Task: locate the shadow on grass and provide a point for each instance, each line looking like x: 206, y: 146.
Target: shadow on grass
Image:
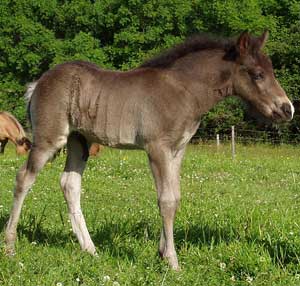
x: 282, y: 252
x: 37, y: 233
x: 204, y: 235
x: 125, y: 238
x: 121, y: 239
x: 109, y: 237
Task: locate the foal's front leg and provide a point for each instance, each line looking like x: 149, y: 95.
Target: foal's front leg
x: 165, y: 168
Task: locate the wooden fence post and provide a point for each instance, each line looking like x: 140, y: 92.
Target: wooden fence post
x: 218, y: 141
x: 232, y: 142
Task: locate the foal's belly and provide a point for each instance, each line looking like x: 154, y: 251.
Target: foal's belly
x: 119, y: 142
x: 122, y: 137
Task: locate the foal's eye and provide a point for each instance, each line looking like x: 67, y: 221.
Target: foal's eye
x: 257, y: 76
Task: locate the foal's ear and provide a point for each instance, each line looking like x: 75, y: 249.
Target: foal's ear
x: 243, y: 43
x: 263, y: 39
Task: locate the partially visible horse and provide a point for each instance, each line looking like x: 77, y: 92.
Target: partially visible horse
x: 156, y: 107
x: 12, y: 130
x: 95, y: 149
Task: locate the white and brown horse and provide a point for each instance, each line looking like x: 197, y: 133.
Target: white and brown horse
x: 156, y: 107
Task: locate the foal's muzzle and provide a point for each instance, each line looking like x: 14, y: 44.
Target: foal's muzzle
x: 284, y: 112
x: 288, y: 110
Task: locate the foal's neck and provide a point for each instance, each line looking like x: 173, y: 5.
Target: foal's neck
x: 206, y: 77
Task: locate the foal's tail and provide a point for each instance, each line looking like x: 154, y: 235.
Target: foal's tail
x: 28, y: 94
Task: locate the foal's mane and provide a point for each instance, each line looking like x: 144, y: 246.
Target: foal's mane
x: 190, y: 45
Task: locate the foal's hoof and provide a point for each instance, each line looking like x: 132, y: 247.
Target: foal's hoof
x: 10, y: 251
x: 95, y: 254
x: 91, y: 250
x: 172, y: 261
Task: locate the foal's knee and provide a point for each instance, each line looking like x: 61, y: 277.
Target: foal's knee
x: 167, y: 204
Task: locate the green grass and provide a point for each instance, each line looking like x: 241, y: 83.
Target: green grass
x: 238, y: 223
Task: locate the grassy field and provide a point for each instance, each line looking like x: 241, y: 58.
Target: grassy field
x: 238, y: 223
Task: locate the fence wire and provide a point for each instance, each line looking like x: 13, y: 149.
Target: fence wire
x: 248, y: 136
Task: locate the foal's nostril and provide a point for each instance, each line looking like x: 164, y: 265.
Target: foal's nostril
x: 287, y: 109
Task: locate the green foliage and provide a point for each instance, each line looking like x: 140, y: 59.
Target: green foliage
x: 82, y: 47
x: 9, y: 99
x: 117, y: 34
x: 227, y: 113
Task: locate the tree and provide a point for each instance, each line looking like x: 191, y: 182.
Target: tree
x: 117, y: 34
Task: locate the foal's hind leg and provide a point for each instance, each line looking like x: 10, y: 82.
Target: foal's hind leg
x: 25, y: 178
x: 77, y: 155
x: 165, y: 167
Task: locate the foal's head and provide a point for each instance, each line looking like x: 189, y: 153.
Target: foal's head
x: 254, y: 79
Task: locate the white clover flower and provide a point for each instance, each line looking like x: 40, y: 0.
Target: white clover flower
x: 249, y: 279
x: 106, y: 278
x: 222, y: 266
x: 77, y: 279
x: 262, y: 259
x: 21, y: 264
x: 116, y: 283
